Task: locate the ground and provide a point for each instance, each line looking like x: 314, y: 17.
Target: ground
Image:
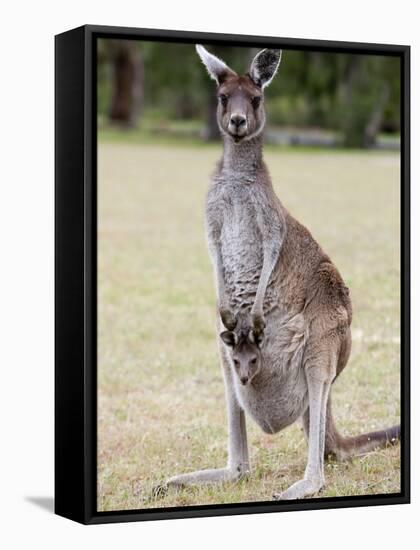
x: 160, y: 390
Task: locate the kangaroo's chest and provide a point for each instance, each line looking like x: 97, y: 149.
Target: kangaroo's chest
x: 235, y: 207
x: 241, y: 240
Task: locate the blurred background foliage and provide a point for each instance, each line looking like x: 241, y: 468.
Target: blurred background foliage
x: 330, y: 99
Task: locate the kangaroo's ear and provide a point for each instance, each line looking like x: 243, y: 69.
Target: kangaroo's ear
x: 264, y: 67
x: 228, y: 337
x: 218, y: 70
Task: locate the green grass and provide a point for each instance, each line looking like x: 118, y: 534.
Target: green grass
x: 161, y: 397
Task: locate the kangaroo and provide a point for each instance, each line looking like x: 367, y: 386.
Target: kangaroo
x: 284, y: 310
x: 245, y: 350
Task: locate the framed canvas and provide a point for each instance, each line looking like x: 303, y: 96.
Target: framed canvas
x: 232, y: 230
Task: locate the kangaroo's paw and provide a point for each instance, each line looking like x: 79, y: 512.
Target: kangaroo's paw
x: 301, y: 489
x: 258, y: 322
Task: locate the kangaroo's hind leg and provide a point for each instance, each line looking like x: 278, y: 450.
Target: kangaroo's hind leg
x: 320, y: 371
x: 238, y: 458
x: 330, y: 448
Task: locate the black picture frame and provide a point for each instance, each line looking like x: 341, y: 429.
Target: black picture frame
x: 76, y: 264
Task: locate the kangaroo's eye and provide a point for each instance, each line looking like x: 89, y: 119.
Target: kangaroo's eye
x: 236, y: 362
x: 254, y: 361
x: 256, y: 101
x: 223, y: 99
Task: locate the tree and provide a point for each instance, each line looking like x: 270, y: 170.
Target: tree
x: 356, y: 96
x: 368, y: 87
x: 127, y: 81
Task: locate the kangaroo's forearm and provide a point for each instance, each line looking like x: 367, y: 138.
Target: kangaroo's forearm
x: 269, y: 263
x: 222, y: 298
x: 223, y: 302
x: 273, y: 238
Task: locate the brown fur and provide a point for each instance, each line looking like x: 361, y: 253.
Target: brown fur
x: 279, y: 295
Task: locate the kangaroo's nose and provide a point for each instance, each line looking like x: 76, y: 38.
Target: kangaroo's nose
x: 237, y: 120
x: 244, y: 380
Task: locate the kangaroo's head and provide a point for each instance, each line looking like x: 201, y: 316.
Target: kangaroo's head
x: 244, y: 345
x: 240, y: 110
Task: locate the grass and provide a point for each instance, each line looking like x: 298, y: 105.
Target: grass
x: 160, y: 390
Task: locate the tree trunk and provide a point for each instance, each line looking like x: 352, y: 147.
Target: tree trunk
x: 374, y: 124
x: 127, y: 94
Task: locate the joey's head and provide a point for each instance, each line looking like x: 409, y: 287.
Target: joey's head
x: 244, y: 347
x: 240, y: 110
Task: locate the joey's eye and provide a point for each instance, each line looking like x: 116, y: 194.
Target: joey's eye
x: 254, y: 361
x: 236, y: 362
x: 223, y: 99
x: 256, y: 101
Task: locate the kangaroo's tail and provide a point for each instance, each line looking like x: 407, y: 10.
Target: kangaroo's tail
x: 345, y: 447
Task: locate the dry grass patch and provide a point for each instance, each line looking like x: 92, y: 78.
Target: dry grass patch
x: 161, y: 397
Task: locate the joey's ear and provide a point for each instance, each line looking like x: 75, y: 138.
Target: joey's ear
x: 256, y: 337
x: 218, y: 70
x: 264, y: 67
x: 228, y: 337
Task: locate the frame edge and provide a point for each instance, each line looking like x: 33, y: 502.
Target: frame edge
x: 69, y: 384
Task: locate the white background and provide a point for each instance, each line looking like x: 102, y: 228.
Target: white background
x: 26, y: 285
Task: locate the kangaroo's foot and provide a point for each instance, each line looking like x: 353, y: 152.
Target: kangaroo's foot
x: 301, y: 489
x: 201, y: 477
